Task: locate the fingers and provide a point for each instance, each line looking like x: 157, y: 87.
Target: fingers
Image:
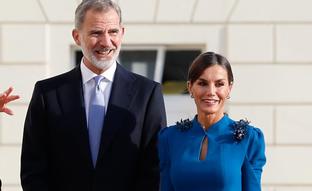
x: 12, y: 98
x: 8, y: 91
x: 2, y: 95
x: 7, y: 111
x: 5, y: 98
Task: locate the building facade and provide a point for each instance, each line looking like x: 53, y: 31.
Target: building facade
x: 268, y: 43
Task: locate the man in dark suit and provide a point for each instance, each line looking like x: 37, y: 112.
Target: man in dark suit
x: 57, y: 150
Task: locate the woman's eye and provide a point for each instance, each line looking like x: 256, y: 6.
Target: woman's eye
x: 201, y: 83
x: 219, y: 84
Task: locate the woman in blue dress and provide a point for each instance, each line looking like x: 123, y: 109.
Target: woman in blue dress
x: 212, y: 152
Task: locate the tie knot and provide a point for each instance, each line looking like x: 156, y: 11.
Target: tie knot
x: 98, y: 79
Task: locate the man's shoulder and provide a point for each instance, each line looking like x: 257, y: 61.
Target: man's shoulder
x: 60, y: 79
x: 143, y: 79
x: 137, y: 78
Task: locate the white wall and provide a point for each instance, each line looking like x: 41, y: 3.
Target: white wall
x: 268, y: 42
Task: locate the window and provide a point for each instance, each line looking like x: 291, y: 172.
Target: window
x: 142, y: 62
x: 78, y: 57
x: 166, y: 65
x: 175, y: 71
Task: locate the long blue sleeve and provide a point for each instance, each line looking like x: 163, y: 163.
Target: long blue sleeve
x: 163, y: 147
x: 254, y: 161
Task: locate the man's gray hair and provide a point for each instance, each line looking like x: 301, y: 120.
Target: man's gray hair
x: 97, y: 5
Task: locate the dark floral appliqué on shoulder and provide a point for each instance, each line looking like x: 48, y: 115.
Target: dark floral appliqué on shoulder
x: 240, y: 129
x: 184, y: 125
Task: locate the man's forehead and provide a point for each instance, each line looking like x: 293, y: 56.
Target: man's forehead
x: 103, y: 11
x: 106, y: 18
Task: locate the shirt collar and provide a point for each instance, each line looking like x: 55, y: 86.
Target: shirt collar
x: 87, y: 74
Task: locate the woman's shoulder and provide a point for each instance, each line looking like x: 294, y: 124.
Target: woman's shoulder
x: 255, y: 133
x: 255, y: 149
x: 251, y: 136
x: 176, y: 129
x: 165, y: 135
x: 255, y: 139
x: 168, y: 131
x: 243, y: 129
x: 164, y: 132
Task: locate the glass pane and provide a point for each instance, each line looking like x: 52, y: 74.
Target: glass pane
x: 177, y: 63
x: 139, y: 61
x: 78, y: 57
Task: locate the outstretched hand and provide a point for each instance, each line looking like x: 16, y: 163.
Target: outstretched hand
x: 5, y: 98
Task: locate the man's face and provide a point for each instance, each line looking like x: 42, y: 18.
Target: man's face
x: 100, y: 38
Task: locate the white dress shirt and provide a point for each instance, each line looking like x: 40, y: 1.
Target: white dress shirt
x: 88, y: 84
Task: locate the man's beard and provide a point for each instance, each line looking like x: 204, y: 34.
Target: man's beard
x: 101, y: 64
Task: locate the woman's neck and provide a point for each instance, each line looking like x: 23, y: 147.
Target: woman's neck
x: 207, y: 120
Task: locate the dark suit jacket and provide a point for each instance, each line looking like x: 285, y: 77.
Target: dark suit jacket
x: 55, y: 149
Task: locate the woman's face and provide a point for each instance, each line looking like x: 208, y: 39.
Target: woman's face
x: 211, y: 90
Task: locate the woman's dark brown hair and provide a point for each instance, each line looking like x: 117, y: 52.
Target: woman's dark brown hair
x: 206, y: 60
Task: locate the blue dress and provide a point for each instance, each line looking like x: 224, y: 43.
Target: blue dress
x: 230, y: 164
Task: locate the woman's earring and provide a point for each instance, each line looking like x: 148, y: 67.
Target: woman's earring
x: 191, y: 95
x: 228, y: 97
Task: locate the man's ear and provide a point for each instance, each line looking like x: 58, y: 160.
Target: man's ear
x: 123, y: 30
x: 75, y: 35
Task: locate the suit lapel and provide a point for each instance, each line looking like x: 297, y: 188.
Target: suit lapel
x: 71, y: 93
x: 72, y: 104
x: 118, y: 106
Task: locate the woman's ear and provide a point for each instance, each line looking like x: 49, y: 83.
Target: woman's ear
x: 230, y: 89
x: 189, y: 88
